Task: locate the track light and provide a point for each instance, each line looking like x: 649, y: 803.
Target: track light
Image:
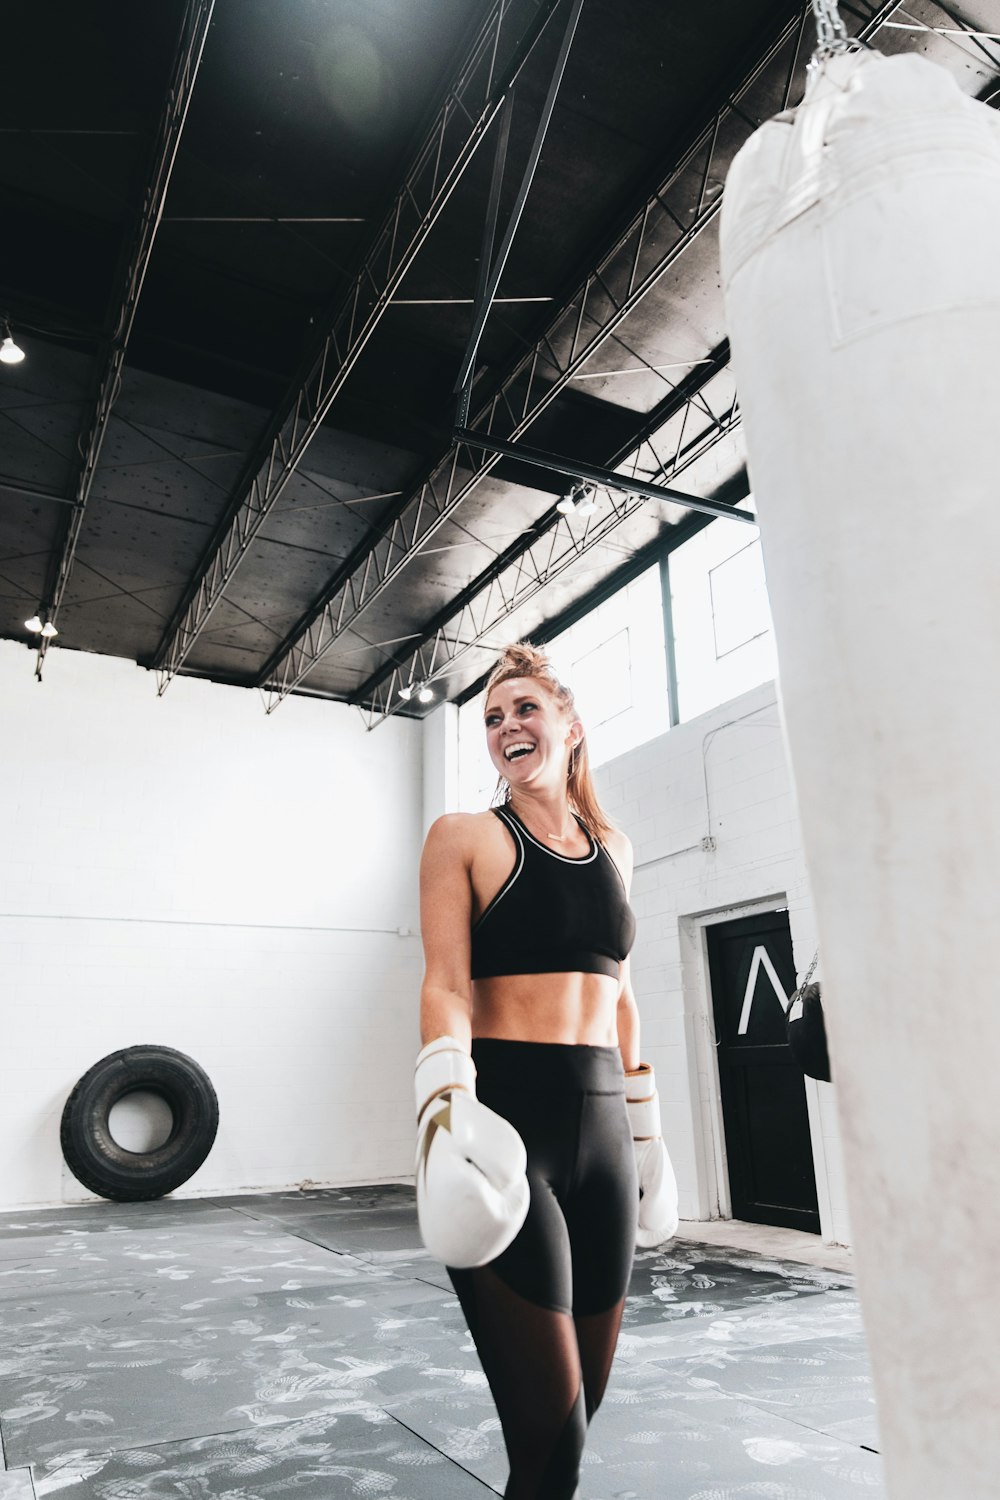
x: 423, y: 692
x: 10, y: 353
x: 586, y: 500
x: 579, y: 502
x: 48, y: 630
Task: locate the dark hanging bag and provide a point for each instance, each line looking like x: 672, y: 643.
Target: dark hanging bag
x: 807, y: 1032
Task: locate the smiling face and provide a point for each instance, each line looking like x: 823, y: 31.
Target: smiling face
x: 529, y: 733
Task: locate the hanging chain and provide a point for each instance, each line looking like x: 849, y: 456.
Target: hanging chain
x: 809, y: 974
x: 831, y: 33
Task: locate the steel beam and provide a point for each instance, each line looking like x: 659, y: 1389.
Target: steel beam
x: 469, y: 108
x: 194, y: 30
x: 672, y: 219
x: 36, y: 492
x: 607, y: 479
x: 490, y: 227
x: 531, y: 564
x: 490, y: 283
x: 669, y: 642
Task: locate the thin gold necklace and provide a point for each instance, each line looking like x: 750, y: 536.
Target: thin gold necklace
x: 559, y: 838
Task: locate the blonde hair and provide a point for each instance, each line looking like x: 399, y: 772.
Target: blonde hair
x: 524, y: 660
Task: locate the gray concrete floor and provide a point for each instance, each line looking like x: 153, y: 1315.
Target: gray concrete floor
x: 764, y: 1239
x: 260, y: 1346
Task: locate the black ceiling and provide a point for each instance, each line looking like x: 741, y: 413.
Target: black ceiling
x: 241, y: 245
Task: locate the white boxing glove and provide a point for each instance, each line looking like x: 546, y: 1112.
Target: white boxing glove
x: 472, y: 1191
x: 658, y: 1218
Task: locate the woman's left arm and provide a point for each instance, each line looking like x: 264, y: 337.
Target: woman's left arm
x: 628, y: 1022
x: 657, y: 1185
x: 620, y: 849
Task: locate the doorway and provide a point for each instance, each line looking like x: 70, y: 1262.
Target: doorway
x: 772, y: 1179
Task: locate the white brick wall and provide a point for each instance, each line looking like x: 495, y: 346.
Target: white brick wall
x: 724, y: 776
x: 191, y: 872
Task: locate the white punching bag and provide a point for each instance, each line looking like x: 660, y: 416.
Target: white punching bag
x: 861, y: 262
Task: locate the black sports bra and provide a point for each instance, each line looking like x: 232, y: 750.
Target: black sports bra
x: 553, y: 915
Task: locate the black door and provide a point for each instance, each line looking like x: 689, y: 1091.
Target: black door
x: 771, y: 1176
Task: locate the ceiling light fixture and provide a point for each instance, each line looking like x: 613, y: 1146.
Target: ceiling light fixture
x: 35, y: 625
x: 586, y: 500
x: 406, y: 692
x: 580, y: 501
x: 10, y: 353
x: 426, y: 695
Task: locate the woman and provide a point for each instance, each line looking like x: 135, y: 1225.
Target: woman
x: 526, y: 929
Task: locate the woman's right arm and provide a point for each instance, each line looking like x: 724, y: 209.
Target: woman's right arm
x: 445, y: 927
x: 472, y: 1187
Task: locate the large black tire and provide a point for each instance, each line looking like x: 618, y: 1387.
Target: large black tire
x: 96, y: 1159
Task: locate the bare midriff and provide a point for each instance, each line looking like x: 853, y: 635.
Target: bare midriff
x: 573, y: 1009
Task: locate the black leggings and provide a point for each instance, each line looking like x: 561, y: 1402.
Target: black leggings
x: 545, y: 1314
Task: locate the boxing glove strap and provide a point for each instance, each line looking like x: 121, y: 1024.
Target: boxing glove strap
x: 443, y: 1065
x: 643, y: 1103
x: 640, y: 1082
x: 644, y: 1118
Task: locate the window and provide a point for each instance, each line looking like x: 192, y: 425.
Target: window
x: 724, y: 643
x: 602, y: 681
x: 740, y: 611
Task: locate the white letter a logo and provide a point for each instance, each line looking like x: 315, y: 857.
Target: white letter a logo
x: 760, y: 960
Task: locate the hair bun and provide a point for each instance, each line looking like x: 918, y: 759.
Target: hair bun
x: 522, y: 659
